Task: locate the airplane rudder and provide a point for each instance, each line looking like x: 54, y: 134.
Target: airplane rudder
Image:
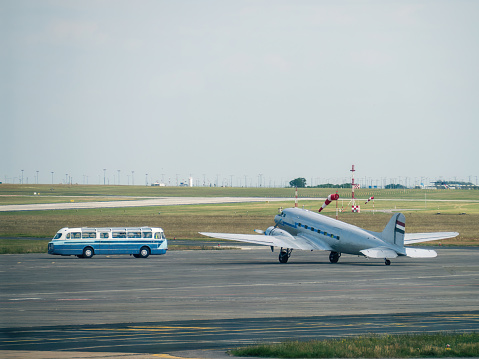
x: 394, y: 231
x: 400, y: 229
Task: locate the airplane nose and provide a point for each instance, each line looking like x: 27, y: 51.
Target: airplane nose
x: 277, y: 219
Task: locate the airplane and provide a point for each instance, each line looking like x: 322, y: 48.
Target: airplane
x: 298, y: 228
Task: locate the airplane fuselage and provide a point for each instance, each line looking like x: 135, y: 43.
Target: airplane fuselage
x: 333, y: 234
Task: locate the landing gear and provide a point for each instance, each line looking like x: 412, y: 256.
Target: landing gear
x: 284, y: 255
x: 334, y: 257
x: 387, y: 262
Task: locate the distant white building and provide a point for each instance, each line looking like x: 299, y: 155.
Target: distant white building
x: 158, y: 184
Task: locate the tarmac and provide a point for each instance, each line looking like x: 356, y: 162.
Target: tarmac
x: 200, y: 304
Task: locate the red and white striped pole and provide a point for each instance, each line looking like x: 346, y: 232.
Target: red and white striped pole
x: 369, y: 199
x: 296, y: 197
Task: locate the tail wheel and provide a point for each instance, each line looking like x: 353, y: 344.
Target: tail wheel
x: 387, y: 262
x: 144, y: 252
x: 88, y: 252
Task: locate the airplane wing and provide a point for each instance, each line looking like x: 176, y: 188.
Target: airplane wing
x: 297, y: 242
x: 410, y: 238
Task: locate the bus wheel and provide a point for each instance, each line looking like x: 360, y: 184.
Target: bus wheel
x: 144, y: 252
x: 87, y: 252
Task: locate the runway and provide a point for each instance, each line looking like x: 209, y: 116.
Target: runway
x: 144, y: 202
x: 197, y: 300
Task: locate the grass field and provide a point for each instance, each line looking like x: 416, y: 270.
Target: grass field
x: 459, y: 211
x: 17, y: 194
x: 371, y: 346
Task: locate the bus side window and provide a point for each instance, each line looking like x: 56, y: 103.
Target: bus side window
x: 68, y: 236
x: 134, y: 234
x: 147, y: 234
x: 76, y: 235
x: 119, y: 235
x: 88, y: 235
x: 159, y: 235
x: 104, y: 235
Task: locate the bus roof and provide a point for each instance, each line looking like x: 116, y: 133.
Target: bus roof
x: 112, y: 229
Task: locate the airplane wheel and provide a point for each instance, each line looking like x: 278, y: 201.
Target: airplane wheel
x: 387, y: 262
x: 283, y: 257
x: 334, y: 257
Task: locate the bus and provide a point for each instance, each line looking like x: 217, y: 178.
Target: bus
x: 87, y: 242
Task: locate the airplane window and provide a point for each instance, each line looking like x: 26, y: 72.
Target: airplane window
x: 325, y: 233
x: 312, y: 229
x: 305, y: 227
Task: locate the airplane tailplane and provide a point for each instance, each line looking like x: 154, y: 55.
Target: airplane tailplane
x: 394, y: 231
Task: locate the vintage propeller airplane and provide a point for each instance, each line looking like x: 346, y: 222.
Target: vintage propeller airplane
x: 298, y: 228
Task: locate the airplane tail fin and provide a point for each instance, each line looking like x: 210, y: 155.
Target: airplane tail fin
x: 394, y: 231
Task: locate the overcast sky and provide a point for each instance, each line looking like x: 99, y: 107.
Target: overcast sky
x: 230, y: 90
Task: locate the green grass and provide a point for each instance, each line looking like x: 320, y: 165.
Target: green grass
x: 18, y: 194
x: 184, y: 222
x: 22, y: 246
x: 371, y: 346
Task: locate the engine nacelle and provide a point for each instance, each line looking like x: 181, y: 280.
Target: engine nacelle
x: 271, y: 231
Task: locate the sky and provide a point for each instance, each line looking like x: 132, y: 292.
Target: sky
x: 229, y: 92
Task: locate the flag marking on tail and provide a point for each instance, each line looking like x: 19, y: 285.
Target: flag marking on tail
x: 400, y: 227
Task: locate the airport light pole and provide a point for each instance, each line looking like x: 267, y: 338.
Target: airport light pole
x: 132, y: 178
x: 52, y: 177
x: 104, y: 176
x: 118, y: 177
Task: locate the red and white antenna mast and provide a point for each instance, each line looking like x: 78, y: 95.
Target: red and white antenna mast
x: 296, y: 197
x: 354, y: 207
x: 352, y: 184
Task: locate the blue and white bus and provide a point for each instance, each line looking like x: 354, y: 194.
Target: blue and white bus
x: 87, y: 242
